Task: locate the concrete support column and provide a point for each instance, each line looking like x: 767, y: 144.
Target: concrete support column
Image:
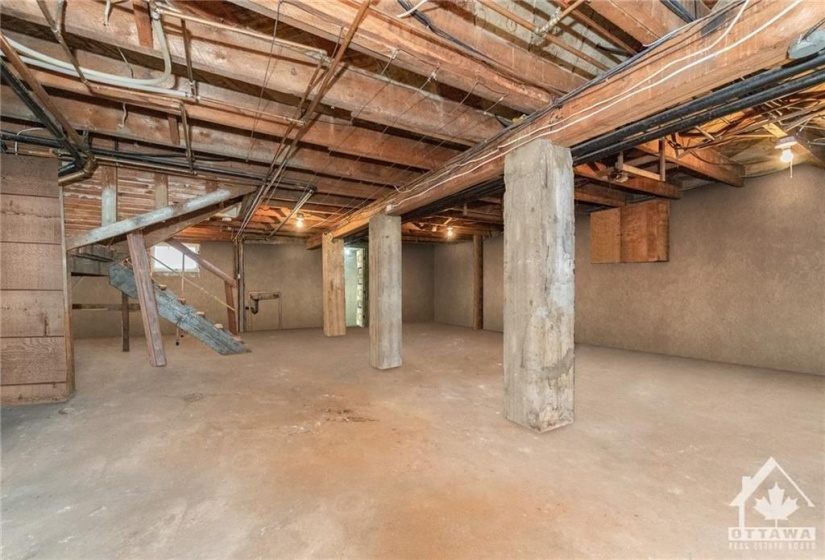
x: 385, y: 291
x: 335, y: 311
x: 539, y: 286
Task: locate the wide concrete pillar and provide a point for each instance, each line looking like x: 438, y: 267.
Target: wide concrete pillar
x: 539, y: 252
x: 332, y: 270
x: 385, y: 291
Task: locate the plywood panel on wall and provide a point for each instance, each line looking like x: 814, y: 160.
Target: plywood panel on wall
x: 35, y: 357
x: 31, y: 266
x: 29, y: 176
x: 30, y: 219
x: 634, y: 233
x: 33, y: 360
x: 606, y: 236
x: 31, y: 313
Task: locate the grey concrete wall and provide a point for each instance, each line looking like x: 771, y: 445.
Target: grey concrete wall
x: 453, y: 291
x: 290, y: 269
x: 744, y: 283
x: 417, y: 269
x: 293, y: 271
x: 494, y: 284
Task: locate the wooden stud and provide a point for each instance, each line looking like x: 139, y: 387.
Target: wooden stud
x: 143, y: 22
x: 335, y: 316
x: 156, y: 216
x: 108, y: 196
x: 478, y: 282
x: 161, y: 190
x: 146, y: 296
x: 124, y: 321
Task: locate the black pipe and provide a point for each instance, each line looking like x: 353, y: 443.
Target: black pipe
x: 40, y: 114
x: 126, y: 156
x: 677, y: 8
x: 720, y: 96
x: 787, y: 88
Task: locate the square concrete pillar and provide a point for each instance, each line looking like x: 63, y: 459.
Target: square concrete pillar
x: 385, y: 291
x: 539, y: 252
x: 335, y: 311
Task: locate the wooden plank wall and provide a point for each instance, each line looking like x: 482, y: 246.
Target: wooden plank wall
x: 634, y: 233
x: 35, y: 355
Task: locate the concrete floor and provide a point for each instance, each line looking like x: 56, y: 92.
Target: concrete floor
x: 300, y: 450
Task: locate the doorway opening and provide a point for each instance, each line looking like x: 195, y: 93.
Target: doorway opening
x: 355, y: 285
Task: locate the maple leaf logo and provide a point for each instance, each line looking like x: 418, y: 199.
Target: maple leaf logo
x: 777, y: 507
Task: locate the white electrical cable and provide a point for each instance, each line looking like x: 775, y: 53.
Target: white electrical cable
x: 54, y: 64
x: 530, y: 136
x: 412, y: 10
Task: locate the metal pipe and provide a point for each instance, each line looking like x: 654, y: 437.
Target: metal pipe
x: 810, y: 80
x: 40, y: 114
x: 43, y: 98
x: 58, y: 34
x: 720, y: 96
x: 322, y: 89
x: 142, y: 161
x: 556, y: 18
x: 295, y: 209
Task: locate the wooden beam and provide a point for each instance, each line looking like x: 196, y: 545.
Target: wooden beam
x: 143, y: 22
x: 202, y: 262
x: 161, y: 190
x: 124, y: 322
x: 228, y: 282
x: 157, y: 216
x: 167, y: 230
x: 146, y: 127
x: 174, y: 130
x: 231, y: 315
x: 418, y: 50
x: 184, y: 316
x: 244, y: 59
x: 335, y: 311
x: 108, y: 195
x: 602, y: 196
x: 643, y: 20
x: 478, y: 282
x: 639, y: 184
x: 577, y: 120
x: 709, y: 163
x: 240, y: 111
x: 145, y: 291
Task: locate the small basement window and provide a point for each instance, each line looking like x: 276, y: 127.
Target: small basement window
x: 169, y: 260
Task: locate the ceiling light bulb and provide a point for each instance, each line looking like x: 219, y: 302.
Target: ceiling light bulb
x: 299, y: 221
x: 450, y: 231
x: 787, y: 156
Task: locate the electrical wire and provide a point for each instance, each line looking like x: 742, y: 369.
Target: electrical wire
x: 525, y: 138
x: 36, y: 58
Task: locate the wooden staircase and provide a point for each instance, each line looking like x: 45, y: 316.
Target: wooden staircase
x: 186, y: 317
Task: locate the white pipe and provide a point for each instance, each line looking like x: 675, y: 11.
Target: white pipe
x: 57, y: 65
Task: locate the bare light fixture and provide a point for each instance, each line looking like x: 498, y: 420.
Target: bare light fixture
x: 450, y: 232
x: 785, y: 144
x: 299, y: 220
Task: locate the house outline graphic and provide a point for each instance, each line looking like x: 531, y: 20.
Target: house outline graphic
x: 751, y: 483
